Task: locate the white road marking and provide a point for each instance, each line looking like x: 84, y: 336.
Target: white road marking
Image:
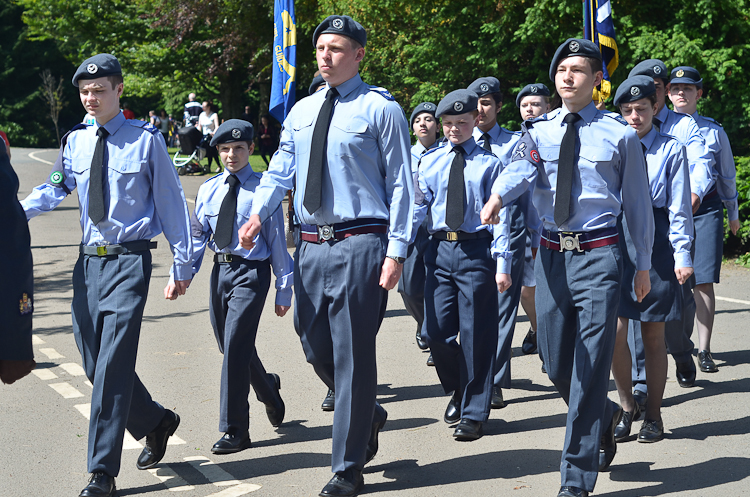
x: 128, y: 442
x: 35, y: 340
x: 66, y: 390
x: 242, y: 489
x: 212, y: 472
x: 88, y: 384
x: 52, y: 353
x: 73, y: 369
x: 172, y: 480
x: 44, y: 374
x: 736, y: 301
x: 33, y: 156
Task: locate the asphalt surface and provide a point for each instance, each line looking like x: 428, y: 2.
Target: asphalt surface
x: 43, y: 428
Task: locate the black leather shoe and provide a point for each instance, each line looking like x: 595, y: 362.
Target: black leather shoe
x: 706, y: 362
x: 622, y: 430
x: 341, y: 487
x: 640, y: 398
x: 468, y: 430
x: 421, y: 342
x: 497, y: 398
x: 329, y: 402
x: 372, y: 444
x: 231, y: 443
x: 572, y: 492
x: 453, y: 411
x: 275, y: 412
x: 100, y: 485
x: 608, y: 447
x: 156, y: 441
x: 686, y: 373
x: 430, y: 361
x: 651, y: 431
x: 529, y: 343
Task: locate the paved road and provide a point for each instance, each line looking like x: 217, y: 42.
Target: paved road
x: 44, y: 427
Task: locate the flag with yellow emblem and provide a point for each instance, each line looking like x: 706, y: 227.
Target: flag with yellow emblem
x: 599, y: 28
x: 284, y: 76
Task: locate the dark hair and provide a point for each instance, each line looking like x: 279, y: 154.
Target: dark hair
x: 594, y: 64
x: 497, y: 97
x: 115, y: 79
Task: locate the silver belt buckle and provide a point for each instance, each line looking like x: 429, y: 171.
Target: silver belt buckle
x: 569, y: 242
x: 325, y: 233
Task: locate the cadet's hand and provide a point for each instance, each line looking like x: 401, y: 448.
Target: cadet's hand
x: 683, y: 273
x: 181, y: 286
x: 491, y: 209
x: 641, y: 285
x: 534, y: 250
x: 11, y: 371
x: 249, y: 231
x: 734, y: 226
x: 170, y: 291
x: 281, y: 310
x: 503, y: 282
x: 390, y: 273
x: 695, y: 200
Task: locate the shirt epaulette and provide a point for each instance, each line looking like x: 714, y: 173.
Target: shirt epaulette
x: 383, y: 92
x: 529, y: 123
x: 616, y: 117
x: 711, y: 119
x: 141, y: 124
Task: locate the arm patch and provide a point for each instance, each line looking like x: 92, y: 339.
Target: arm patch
x: 526, y: 149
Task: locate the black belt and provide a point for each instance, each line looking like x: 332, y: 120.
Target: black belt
x: 227, y: 258
x: 459, y: 236
x: 339, y: 231
x: 122, y: 248
x: 580, y: 241
x: 711, y: 194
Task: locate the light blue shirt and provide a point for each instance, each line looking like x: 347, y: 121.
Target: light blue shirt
x: 270, y: 244
x: 503, y: 142
x: 480, y: 171
x: 723, y: 171
x: 684, y: 128
x: 611, y: 176
x: 669, y: 182
x: 417, y: 151
x: 142, y: 195
x: 369, y: 163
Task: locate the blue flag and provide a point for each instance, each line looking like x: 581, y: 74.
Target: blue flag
x: 599, y: 28
x: 283, y: 80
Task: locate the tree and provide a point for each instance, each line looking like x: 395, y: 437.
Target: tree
x: 52, y: 93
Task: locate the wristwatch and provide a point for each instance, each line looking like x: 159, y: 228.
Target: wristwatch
x: 399, y: 260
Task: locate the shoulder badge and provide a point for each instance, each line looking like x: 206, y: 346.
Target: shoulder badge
x: 383, y: 92
x: 616, y: 117
x: 141, y: 124
x: 526, y: 149
x: 25, y: 305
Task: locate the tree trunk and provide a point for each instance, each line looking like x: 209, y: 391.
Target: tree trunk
x: 230, y: 94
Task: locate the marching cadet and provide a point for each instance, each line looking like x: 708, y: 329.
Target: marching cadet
x: 411, y: 285
x: 128, y: 193
x: 685, y: 89
x: 684, y: 128
x: 587, y: 167
x: 532, y: 101
x: 525, y: 225
x: 671, y: 263
x: 17, y: 285
x: 239, y: 283
x: 454, y: 182
x: 347, y: 151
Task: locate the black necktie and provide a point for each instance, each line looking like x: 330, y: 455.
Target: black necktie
x: 96, y: 178
x: 314, y: 186
x: 454, y: 204
x: 656, y: 122
x: 486, y: 138
x: 227, y: 212
x: 565, y: 167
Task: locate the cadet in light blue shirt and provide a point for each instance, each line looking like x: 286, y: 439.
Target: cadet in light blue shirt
x: 685, y: 90
x: 587, y: 166
x: 454, y: 182
x: 128, y: 193
x: 239, y: 283
x: 670, y: 196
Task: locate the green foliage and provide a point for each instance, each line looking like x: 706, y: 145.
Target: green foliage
x: 740, y: 244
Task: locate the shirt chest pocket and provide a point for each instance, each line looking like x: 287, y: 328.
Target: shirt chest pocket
x: 348, y: 138
x: 595, y: 166
x: 302, y: 130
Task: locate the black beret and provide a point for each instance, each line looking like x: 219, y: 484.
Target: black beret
x: 534, y: 90
x: 485, y: 86
x: 457, y: 102
x: 233, y: 130
x: 428, y: 107
x: 316, y: 82
x: 571, y: 48
x: 653, y: 68
x: 98, y: 66
x: 634, y: 88
x: 341, y: 25
x: 686, y: 74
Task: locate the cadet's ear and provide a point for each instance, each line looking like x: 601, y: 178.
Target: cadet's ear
x: 700, y: 93
x: 251, y: 147
x: 360, y: 54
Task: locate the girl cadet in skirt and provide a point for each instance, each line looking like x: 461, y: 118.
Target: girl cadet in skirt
x: 671, y: 264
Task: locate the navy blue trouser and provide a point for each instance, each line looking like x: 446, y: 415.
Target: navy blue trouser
x: 340, y: 306
x: 238, y: 293
x: 109, y: 294
x: 461, y: 283
x: 577, y: 299
x: 411, y: 284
